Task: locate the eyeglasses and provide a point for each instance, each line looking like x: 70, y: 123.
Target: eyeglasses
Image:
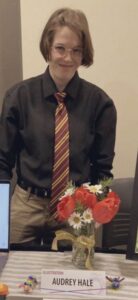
x: 62, y: 50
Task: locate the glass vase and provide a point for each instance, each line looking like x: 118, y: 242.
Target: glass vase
x: 83, y: 250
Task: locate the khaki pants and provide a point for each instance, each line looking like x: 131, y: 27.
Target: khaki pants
x: 30, y: 218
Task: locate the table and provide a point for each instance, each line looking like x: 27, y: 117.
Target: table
x: 20, y: 264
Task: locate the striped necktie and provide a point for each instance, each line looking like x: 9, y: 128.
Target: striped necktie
x: 61, y: 153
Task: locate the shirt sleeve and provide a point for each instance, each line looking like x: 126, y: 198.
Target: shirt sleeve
x: 9, y: 142
x: 105, y: 135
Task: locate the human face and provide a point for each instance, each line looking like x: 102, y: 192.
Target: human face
x: 65, y: 56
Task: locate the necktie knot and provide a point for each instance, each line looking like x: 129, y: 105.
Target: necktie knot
x: 60, y: 96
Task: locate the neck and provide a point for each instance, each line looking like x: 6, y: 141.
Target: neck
x: 60, y: 83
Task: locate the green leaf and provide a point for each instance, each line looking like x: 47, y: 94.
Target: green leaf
x: 106, y: 182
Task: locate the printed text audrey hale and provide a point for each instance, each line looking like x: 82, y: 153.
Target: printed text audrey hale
x: 72, y: 282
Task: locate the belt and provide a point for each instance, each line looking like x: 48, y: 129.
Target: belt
x: 40, y: 192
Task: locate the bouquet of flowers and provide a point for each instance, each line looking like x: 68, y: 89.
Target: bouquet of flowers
x: 84, y: 208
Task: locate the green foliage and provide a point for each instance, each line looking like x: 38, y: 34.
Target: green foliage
x: 106, y: 182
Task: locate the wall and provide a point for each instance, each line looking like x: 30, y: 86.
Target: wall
x: 10, y: 45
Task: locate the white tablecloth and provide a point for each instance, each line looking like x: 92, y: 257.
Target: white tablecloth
x: 20, y: 264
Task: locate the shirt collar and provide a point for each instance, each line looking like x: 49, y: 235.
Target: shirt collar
x: 73, y: 86
x: 50, y: 88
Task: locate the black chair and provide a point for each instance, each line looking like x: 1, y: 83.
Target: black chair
x: 115, y: 233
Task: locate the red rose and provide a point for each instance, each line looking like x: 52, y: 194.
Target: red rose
x: 86, y: 198
x: 65, y: 208
x: 105, y: 210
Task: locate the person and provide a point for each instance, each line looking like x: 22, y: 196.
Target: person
x: 27, y: 127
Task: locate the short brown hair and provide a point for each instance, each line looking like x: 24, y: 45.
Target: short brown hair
x: 75, y: 20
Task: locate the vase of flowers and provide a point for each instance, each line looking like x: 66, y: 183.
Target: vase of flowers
x: 84, y: 208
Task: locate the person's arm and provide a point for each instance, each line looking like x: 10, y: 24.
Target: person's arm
x: 9, y: 142
x: 105, y: 134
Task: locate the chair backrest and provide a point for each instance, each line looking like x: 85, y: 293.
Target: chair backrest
x: 116, y: 232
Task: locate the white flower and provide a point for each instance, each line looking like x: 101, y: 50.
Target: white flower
x: 68, y: 192
x: 95, y: 189
x: 87, y: 216
x: 75, y: 220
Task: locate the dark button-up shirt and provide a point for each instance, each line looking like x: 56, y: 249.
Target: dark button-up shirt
x: 27, y: 131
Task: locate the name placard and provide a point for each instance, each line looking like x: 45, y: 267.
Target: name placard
x: 76, y: 283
